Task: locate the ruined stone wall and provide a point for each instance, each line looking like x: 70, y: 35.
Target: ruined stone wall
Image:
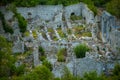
x: 75, y: 9
x: 115, y: 40
x: 45, y: 12
x: 107, y: 25
x: 87, y: 14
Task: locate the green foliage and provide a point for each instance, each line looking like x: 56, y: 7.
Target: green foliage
x: 6, y: 27
x: 90, y: 5
x: 41, y: 50
x: 100, y: 3
x: 114, y: 7
x: 74, y: 17
x: 47, y: 64
x: 6, y: 58
x: 21, y: 20
x: 61, y: 55
x: 93, y: 76
x: 34, y: 34
x: 27, y: 33
x: 116, y: 72
x: 88, y: 34
x: 61, y: 33
x: 39, y: 73
x: 69, y: 31
x: 18, y: 70
x: 42, y: 58
x: 42, y: 53
x: 80, y: 50
x: 67, y: 74
x: 43, y: 73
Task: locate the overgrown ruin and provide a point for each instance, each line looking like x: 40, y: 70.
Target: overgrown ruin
x: 56, y: 27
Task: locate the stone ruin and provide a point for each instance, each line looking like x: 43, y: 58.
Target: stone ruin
x: 42, y: 17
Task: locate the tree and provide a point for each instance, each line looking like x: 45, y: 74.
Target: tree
x: 114, y: 7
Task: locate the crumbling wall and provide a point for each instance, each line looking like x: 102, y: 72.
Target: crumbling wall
x: 107, y: 25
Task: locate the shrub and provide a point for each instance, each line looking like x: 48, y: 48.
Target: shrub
x: 80, y: 50
x: 43, y: 73
x: 18, y: 70
x: 21, y: 22
x: 47, y: 64
x: 41, y: 50
x: 42, y: 58
x: 93, y: 76
x: 61, y: 55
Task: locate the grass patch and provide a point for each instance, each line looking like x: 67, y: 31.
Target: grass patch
x: 74, y: 17
x: 61, y: 55
x: 77, y: 30
x: 52, y: 34
x: 61, y: 33
x: 34, y: 34
x: 69, y: 31
x: 87, y: 34
x: 50, y: 30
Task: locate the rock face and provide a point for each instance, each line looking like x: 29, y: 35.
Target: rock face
x: 110, y: 32
x: 107, y: 25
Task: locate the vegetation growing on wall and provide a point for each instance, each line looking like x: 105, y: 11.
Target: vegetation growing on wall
x: 21, y: 20
x: 6, y: 27
x: 80, y: 50
x: 8, y: 71
x: 61, y: 54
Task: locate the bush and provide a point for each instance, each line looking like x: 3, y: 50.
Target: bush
x: 61, y: 55
x: 21, y: 22
x: 43, y: 73
x: 80, y: 50
x: 114, y: 7
x: 18, y: 70
x: 41, y: 50
x: 93, y: 76
x: 47, y: 64
x: 42, y: 58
